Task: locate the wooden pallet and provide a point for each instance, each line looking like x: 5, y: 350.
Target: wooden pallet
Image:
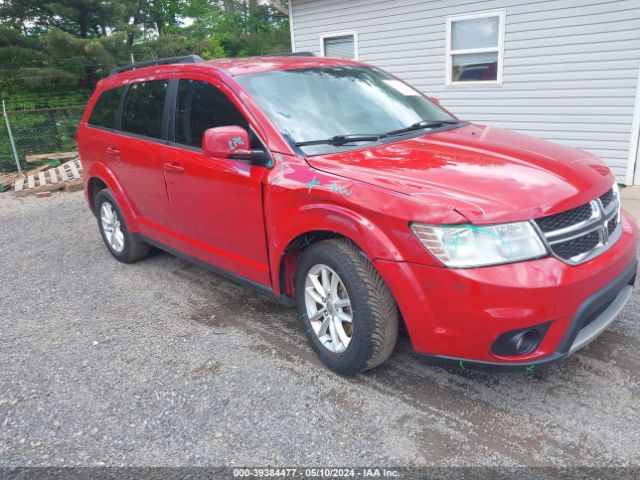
x: 51, y: 156
x: 49, y: 180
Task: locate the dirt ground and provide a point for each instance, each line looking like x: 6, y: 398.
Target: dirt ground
x: 162, y: 363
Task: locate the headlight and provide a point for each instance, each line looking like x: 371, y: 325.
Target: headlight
x: 477, y: 246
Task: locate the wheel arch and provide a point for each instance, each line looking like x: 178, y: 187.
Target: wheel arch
x: 317, y: 223
x: 289, y: 257
x: 100, y: 177
x: 94, y: 185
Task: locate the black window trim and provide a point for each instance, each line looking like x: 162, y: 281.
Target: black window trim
x: 162, y: 140
x: 171, y: 110
x: 118, y: 125
x: 117, y: 113
x: 168, y: 117
x: 172, y: 116
x: 106, y: 129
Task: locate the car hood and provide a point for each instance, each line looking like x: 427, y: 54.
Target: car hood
x: 486, y: 174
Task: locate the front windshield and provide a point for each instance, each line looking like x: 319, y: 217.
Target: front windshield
x: 311, y: 105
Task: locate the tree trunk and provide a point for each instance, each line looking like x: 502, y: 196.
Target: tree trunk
x: 83, y: 23
x: 131, y: 33
x: 157, y: 19
x: 253, y: 13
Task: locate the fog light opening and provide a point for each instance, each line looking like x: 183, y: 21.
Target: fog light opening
x: 523, y: 343
x: 520, y: 342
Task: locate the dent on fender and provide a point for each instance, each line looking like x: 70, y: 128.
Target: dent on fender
x: 359, y: 229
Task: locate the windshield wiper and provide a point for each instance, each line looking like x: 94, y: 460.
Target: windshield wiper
x: 419, y: 126
x: 340, y: 140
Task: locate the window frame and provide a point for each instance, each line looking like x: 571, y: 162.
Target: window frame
x: 501, y: 14
x: 123, y: 99
x: 171, y: 110
x: 117, y: 113
x: 342, y: 33
x: 173, y: 117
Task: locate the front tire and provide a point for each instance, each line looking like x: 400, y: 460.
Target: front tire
x: 124, y: 246
x: 349, y: 313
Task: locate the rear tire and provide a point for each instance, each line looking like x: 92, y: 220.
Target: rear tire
x: 334, y: 282
x: 120, y: 242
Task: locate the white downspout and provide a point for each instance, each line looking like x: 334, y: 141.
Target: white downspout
x: 632, y: 176
x: 291, y: 29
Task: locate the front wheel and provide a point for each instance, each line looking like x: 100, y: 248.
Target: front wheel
x: 350, y: 316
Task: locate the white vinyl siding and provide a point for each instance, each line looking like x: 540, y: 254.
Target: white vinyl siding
x: 569, y: 73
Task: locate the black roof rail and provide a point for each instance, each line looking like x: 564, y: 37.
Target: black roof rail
x: 159, y: 61
x: 288, y: 54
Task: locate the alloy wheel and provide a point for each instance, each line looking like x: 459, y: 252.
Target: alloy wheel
x: 329, y: 308
x: 111, y: 227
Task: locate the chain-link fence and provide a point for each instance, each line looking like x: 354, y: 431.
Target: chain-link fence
x: 39, y: 125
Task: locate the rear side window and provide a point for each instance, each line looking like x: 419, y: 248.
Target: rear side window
x: 143, y: 108
x: 201, y: 106
x: 106, y: 108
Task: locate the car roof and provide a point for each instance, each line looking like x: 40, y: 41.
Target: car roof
x: 228, y: 66
x: 245, y: 66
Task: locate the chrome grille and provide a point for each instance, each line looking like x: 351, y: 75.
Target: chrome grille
x: 565, y: 219
x: 611, y: 226
x: 572, y: 248
x: 579, y: 234
x: 607, y: 198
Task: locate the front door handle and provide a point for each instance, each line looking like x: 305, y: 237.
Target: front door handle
x: 113, y: 151
x: 174, y: 167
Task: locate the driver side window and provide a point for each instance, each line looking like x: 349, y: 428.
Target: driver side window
x: 200, y: 106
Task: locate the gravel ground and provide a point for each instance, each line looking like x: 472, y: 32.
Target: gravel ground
x: 162, y: 363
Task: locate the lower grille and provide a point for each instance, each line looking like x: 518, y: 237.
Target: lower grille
x: 597, y: 313
x: 584, y: 232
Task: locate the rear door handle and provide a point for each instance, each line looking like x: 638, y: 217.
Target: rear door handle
x: 174, y: 167
x: 113, y: 151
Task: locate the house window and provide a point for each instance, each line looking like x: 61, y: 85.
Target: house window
x: 475, y: 47
x: 339, y: 44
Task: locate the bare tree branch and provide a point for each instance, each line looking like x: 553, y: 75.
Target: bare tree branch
x: 275, y: 4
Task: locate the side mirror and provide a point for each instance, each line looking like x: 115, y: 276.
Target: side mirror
x: 435, y: 100
x: 233, y: 142
x: 223, y: 142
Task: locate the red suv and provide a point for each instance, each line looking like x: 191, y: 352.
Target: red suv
x: 338, y: 188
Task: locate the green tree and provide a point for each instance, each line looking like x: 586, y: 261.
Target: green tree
x: 83, y: 18
x: 69, y: 44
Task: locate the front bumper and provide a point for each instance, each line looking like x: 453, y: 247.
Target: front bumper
x: 455, y: 315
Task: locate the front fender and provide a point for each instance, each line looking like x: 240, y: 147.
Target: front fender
x: 106, y: 175
x: 299, y: 200
x: 336, y: 219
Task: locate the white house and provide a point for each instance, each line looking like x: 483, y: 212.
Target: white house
x: 563, y: 70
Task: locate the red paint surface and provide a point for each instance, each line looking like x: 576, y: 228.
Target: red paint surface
x: 223, y: 141
x: 241, y: 217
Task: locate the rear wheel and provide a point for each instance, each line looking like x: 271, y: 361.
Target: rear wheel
x: 124, y: 246
x: 350, y: 316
